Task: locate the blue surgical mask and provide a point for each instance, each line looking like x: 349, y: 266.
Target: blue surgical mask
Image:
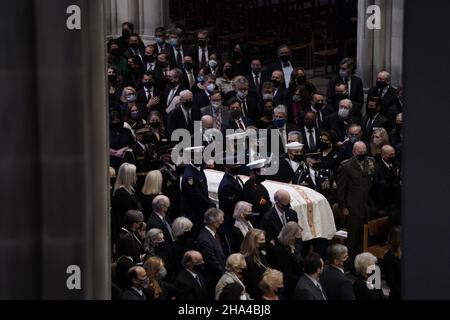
x: 210, y: 88
x: 242, y: 95
x: 280, y: 123
x: 200, y: 79
x: 174, y: 42
x: 135, y: 115
x: 131, y: 98
x: 159, y: 41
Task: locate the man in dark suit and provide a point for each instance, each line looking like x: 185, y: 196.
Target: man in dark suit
x: 334, y: 281
x: 149, y: 98
x: 158, y: 218
x: 237, y: 120
x: 248, y: 103
x: 175, y: 86
x: 189, y: 73
x: 190, y: 284
x: 256, y: 78
x: 353, y: 86
x: 177, y: 49
x: 202, y: 50
x: 220, y: 113
x: 384, y: 90
x: 283, y: 64
x: 134, y: 48
x: 318, y: 107
x: 149, y: 58
x: 274, y: 220
x: 230, y: 192
x: 387, y: 184
x: 282, y: 129
x: 210, y: 246
x: 373, y: 118
x: 129, y: 235
x: 310, y: 133
x: 184, y: 116
x: 194, y: 193
x: 280, y: 94
x: 354, y: 134
x: 160, y: 39
x: 340, y: 121
x: 309, y: 287
x: 138, y: 282
x: 161, y: 71
x: 202, y: 98
x: 354, y: 183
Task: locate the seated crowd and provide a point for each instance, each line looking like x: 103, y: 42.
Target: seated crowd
x: 170, y: 240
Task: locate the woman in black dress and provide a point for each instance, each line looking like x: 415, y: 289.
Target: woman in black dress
x: 363, y: 262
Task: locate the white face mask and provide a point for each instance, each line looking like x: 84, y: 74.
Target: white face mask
x: 212, y: 64
x: 210, y: 88
x: 344, y: 113
x: 215, y: 105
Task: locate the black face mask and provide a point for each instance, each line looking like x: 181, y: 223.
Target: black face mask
x: 381, y: 84
x: 262, y: 246
x: 317, y: 166
x: 309, y: 125
x: 234, y: 171
x: 256, y: 71
x: 371, y: 112
x: 285, y: 207
x: 188, y: 66
x: 202, y: 43
x: 276, y: 83
x: 229, y: 72
x: 260, y: 178
x: 126, y: 33
x: 115, y: 52
x: 341, y: 96
x: 236, y: 114
x: 148, y: 85
x: 160, y: 64
x: 284, y: 58
x: 236, y: 55
x: 149, y: 59
x: 134, y: 46
x: 361, y: 157
x: 323, y: 145
x: 187, y: 105
x: 297, y: 158
x: 112, y: 78
x: 199, y: 268
x: 268, y: 112
x: 301, y: 80
x: 155, y: 125
x: 318, y: 106
x: 390, y: 160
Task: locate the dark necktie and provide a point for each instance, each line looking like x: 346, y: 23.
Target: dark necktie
x: 257, y: 83
x: 203, y: 61
x: 320, y: 288
x: 179, y: 58
x: 199, y: 281
x: 312, y: 142
x: 244, y: 107
x: 286, y: 65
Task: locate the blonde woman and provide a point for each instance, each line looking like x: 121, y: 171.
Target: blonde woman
x: 271, y: 283
x: 253, y: 248
x: 124, y: 197
x: 379, y: 139
x: 285, y: 257
x: 152, y: 188
x: 242, y: 215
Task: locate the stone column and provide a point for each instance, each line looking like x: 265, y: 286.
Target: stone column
x: 151, y: 17
x: 54, y: 164
x: 380, y: 49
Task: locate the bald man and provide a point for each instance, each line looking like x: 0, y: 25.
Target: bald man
x: 354, y: 183
x: 385, y: 91
x: 278, y: 216
x: 190, y: 283
x: 387, y: 185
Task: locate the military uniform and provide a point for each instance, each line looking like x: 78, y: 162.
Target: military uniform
x: 231, y: 191
x: 323, y: 182
x: 171, y: 186
x: 194, y: 196
x: 256, y: 194
x: 354, y: 183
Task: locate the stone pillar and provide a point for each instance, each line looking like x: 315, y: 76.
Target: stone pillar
x: 380, y: 49
x: 55, y: 161
x: 146, y: 15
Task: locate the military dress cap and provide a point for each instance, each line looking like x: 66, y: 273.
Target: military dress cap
x: 142, y: 130
x: 258, y: 164
x: 313, y: 155
x: 294, y: 146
